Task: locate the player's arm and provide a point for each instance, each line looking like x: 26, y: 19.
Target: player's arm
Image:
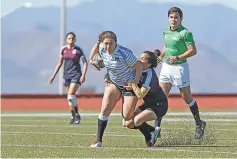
x: 140, y: 92
x: 85, y: 66
x: 58, y: 66
x: 162, y: 54
x: 132, y: 61
x: 191, y: 48
x: 94, y: 51
x: 138, y: 67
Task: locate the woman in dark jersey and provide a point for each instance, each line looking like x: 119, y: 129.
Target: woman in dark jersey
x: 155, y: 103
x: 73, y: 76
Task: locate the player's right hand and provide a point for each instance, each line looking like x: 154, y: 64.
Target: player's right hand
x: 91, y: 62
x: 50, y: 81
x: 159, y: 60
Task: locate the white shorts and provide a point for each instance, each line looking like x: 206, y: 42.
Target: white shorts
x: 177, y: 75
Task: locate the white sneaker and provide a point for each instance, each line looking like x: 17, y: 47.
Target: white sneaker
x: 96, y: 145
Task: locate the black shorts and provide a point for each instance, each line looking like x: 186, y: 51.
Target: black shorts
x: 160, y: 108
x: 75, y: 79
x: 123, y: 91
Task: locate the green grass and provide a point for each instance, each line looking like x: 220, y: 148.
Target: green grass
x: 52, y: 137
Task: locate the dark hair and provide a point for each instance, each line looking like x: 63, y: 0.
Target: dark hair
x: 151, y: 59
x: 176, y: 9
x: 101, y: 33
x: 107, y: 34
x: 74, y: 35
x: 157, y: 52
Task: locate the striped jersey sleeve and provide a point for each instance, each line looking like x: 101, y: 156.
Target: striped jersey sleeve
x: 128, y: 56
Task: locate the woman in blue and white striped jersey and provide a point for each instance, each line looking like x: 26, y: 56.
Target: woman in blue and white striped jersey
x: 122, y: 66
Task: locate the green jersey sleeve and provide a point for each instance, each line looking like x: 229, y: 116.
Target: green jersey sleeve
x: 188, y: 38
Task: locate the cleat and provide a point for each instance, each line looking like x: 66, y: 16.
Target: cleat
x: 200, y: 130
x: 72, y: 120
x: 153, y: 140
x: 158, y: 130
x: 96, y: 145
x: 77, y: 119
x: 148, y: 144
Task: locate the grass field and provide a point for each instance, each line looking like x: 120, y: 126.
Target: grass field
x: 34, y: 136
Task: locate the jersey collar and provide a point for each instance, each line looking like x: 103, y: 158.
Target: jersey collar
x: 146, y: 70
x: 72, y: 46
x: 115, y: 50
x: 179, y: 28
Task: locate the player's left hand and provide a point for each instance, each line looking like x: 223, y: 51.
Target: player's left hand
x: 128, y: 85
x: 172, y: 59
x: 82, y: 79
x: 130, y: 82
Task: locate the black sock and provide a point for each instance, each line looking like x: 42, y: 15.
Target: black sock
x: 73, y: 113
x: 76, y: 109
x: 135, y: 127
x: 146, y: 130
x: 101, y: 128
x: 157, y: 122
x: 195, y: 112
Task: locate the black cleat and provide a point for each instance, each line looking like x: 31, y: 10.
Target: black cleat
x: 72, y: 120
x: 77, y: 119
x: 200, y: 130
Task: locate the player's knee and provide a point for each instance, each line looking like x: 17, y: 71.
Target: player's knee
x: 72, y: 100
x: 129, y: 124
x: 127, y: 116
x: 137, y: 121
x: 103, y: 117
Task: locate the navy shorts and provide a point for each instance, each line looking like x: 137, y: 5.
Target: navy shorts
x: 68, y: 81
x: 122, y: 90
x: 159, y: 108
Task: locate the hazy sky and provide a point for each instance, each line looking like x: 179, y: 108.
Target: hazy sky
x: 7, y: 6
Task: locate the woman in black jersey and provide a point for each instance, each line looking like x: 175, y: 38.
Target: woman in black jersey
x: 155, y: 103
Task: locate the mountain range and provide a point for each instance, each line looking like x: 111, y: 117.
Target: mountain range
x: 31, y: 41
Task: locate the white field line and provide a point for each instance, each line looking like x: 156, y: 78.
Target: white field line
x: 123, y: 148
x: 114, y: 134
x: 191, y: 120
x: 90, y: 126
x: 57, y: 133
x: 112, y: 114
x: 84, y: 122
